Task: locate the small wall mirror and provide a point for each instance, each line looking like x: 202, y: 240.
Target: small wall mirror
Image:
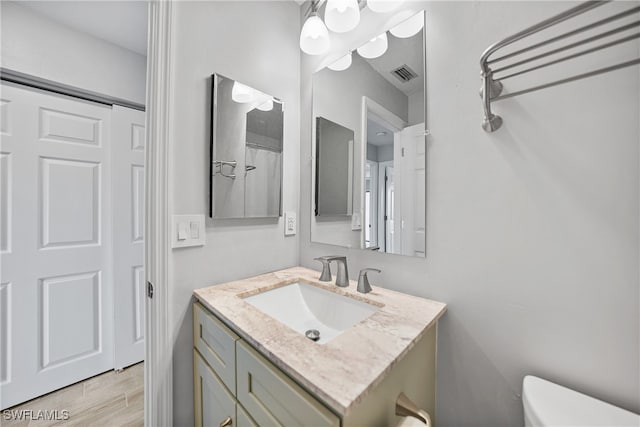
x: 334, y: 164
x: 246, y: 151
x: 374, y: 95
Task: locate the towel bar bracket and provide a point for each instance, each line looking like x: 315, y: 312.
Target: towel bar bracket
x: 492, y: 87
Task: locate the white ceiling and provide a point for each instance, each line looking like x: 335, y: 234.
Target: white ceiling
x: 123, y: 23
x: 373, y: 128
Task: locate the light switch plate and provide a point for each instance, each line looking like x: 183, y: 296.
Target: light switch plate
x: 290, y: 224
x: 187, y: 230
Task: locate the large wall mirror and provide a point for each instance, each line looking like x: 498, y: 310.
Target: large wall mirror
x: 246, y: 151
x: 371, y: 103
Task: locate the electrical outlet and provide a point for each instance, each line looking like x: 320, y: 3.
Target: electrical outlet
x: 290, y: 224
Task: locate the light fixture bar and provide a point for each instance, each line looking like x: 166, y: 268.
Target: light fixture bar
x: 315, y: 5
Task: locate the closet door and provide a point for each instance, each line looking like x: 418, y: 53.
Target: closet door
x: 56, y: 296
x: 128, y: 140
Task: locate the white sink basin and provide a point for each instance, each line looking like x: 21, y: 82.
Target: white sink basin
x: 303, y: 307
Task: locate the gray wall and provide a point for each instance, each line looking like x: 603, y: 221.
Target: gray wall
x: 255, y: 43
x: 532, y: 231
x: 38, y: 46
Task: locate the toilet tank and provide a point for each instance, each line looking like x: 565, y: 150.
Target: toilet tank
x: 547, y: 404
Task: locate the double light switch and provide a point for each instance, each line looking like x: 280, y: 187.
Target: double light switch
x: 188, y: 230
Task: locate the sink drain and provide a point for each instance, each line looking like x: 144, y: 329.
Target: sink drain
x: 312, y: 334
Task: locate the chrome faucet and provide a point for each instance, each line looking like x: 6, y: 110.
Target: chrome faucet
x: 326, y: 270
x: 363, y: 281
x: 342, y: 277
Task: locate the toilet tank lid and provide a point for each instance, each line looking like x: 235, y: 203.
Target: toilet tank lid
x: 549, y: 404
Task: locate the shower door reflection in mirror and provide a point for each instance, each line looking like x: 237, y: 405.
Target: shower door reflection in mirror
x: 246, y: 151
x: 377, y: 91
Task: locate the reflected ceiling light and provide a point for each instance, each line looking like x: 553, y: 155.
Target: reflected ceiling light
x: 266, y: 106
x: 374, y: 47
x: 263, y: 102
x: 410, y: 27
x: 342, y: 15
x: 314, y: 37
x: 242, y: 93
x: 383, y: 6
x: 342, y: 63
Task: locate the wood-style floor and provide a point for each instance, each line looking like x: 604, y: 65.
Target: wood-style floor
x: 109, y: 399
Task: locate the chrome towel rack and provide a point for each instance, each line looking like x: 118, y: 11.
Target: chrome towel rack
x: 492, y: 85
x: 219, y: 168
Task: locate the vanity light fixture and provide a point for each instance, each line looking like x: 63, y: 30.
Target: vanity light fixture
x: 242, y: 93
x: 383, y: 6
x: 342, y: 15
x: 342, y: 63
x: 375, y: 47
x: 410, y: 27
x: 314, y: 37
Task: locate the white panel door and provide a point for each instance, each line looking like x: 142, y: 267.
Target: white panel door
x: 55, y: 286
x: 128, y: 141
x: 411, y: 185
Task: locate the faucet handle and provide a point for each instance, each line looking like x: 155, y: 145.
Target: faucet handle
x: 326, y: 270
x: 363, y: 281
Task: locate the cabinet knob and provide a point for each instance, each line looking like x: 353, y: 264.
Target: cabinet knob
x: 226, y: 422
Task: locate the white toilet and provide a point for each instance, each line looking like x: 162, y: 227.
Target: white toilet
x: 547, y: 404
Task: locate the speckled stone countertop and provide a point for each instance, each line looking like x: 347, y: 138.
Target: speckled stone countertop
x: 343, y: 371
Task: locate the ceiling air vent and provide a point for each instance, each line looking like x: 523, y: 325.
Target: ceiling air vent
x: 404, y: 73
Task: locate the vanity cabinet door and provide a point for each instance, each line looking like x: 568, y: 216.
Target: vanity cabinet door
x: 273, y: 399
x: 244, y: 420
x: 212, y: 402
x: 217, y: 344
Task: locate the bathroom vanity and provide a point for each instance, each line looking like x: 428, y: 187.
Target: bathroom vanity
x: 251, y: 369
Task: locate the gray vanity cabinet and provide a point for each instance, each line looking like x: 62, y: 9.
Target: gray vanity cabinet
x: 220, y: 404
x: 272, y: 398
x: 234, y: 384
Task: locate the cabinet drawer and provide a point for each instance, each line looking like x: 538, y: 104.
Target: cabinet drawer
x: 217, y: 344
x: 212, y: 402
x: 274, y: 399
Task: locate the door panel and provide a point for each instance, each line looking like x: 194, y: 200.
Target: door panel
x: 411, y: 190
x: 67, y: 335
x: 5, y: 202
x: 62, y: 126
x: 128, y: 215
x: 70, y: 208
x: 56, y: 287
x: 5, y: 331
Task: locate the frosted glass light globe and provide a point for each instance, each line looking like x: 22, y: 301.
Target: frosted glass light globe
x: 342, y: 15
x: 266, y: 105
x: 242, y: 93
x: 342, y: 63
x: 410, y: 27
x: 374, y: 47
x: 314, y: 37
x: 383, y: 6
